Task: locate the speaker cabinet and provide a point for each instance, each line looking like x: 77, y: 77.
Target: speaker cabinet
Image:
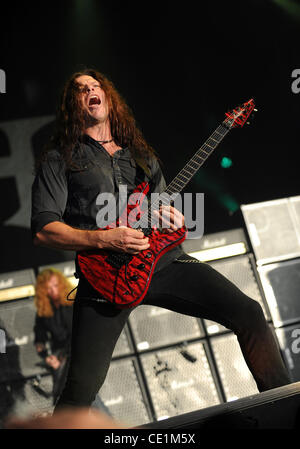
x: 20, y: 359
x: 123, y: 394
x: 154, y: 326
x: 241, y: 271
x: 273, y: 228
x: 180, y: 380
x: 17, y: 285
x: 281, y: 284
x: 289, y: 341
x: 236, y: 379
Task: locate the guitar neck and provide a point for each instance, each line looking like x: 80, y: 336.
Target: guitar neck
x: 193, y: 165
x: 235, y: 118
x: 189, y: 170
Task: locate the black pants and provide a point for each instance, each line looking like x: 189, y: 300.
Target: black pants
x: 59, y: 379
x: 59, y: 376
x: 194, y: 289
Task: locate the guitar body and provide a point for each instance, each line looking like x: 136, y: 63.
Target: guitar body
x: 124, y: 279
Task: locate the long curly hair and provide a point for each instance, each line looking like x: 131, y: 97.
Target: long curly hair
x: 71, y: 124
x: 42, y: 300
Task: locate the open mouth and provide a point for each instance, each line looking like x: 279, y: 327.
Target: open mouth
x: 94, y: 100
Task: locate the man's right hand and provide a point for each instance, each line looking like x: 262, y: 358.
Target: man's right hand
x: 122, y: 239
x: 59, y: 235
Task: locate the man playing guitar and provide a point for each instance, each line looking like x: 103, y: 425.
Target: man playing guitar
x: 97, y: 148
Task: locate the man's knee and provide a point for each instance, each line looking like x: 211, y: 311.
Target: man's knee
x: 253, y: 317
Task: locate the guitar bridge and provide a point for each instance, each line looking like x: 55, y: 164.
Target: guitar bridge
x: 117, y: 260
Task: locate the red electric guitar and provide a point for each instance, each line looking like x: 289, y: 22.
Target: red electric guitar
x: 123, y: 278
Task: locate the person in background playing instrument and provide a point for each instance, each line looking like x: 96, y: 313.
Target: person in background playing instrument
x: 53, y: 324
x: 98, y: 148
x: 53, y: 327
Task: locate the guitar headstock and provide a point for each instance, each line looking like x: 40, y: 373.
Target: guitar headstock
x: 239, y: 116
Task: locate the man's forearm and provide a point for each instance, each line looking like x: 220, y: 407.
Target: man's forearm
x: 59, y: 235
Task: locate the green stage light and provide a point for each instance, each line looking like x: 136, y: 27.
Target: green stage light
x: 228, y: 202
x: 218, y: 189
x: 226, y: 162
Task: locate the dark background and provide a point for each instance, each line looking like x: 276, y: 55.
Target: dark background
x: 180, y: 66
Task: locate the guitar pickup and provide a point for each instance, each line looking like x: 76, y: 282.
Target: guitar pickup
x: 117, y: 260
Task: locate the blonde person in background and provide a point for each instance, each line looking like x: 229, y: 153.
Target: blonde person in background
x: 53, y: 324
x: 53, y: 327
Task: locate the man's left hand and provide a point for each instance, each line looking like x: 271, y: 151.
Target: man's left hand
x: 53, y: 361
x: 170, y: 219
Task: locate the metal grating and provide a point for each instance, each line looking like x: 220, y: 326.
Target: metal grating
x: 122, y: 394
x: 179, y: 380
x: 123, y: 346
x: 236, y: 378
